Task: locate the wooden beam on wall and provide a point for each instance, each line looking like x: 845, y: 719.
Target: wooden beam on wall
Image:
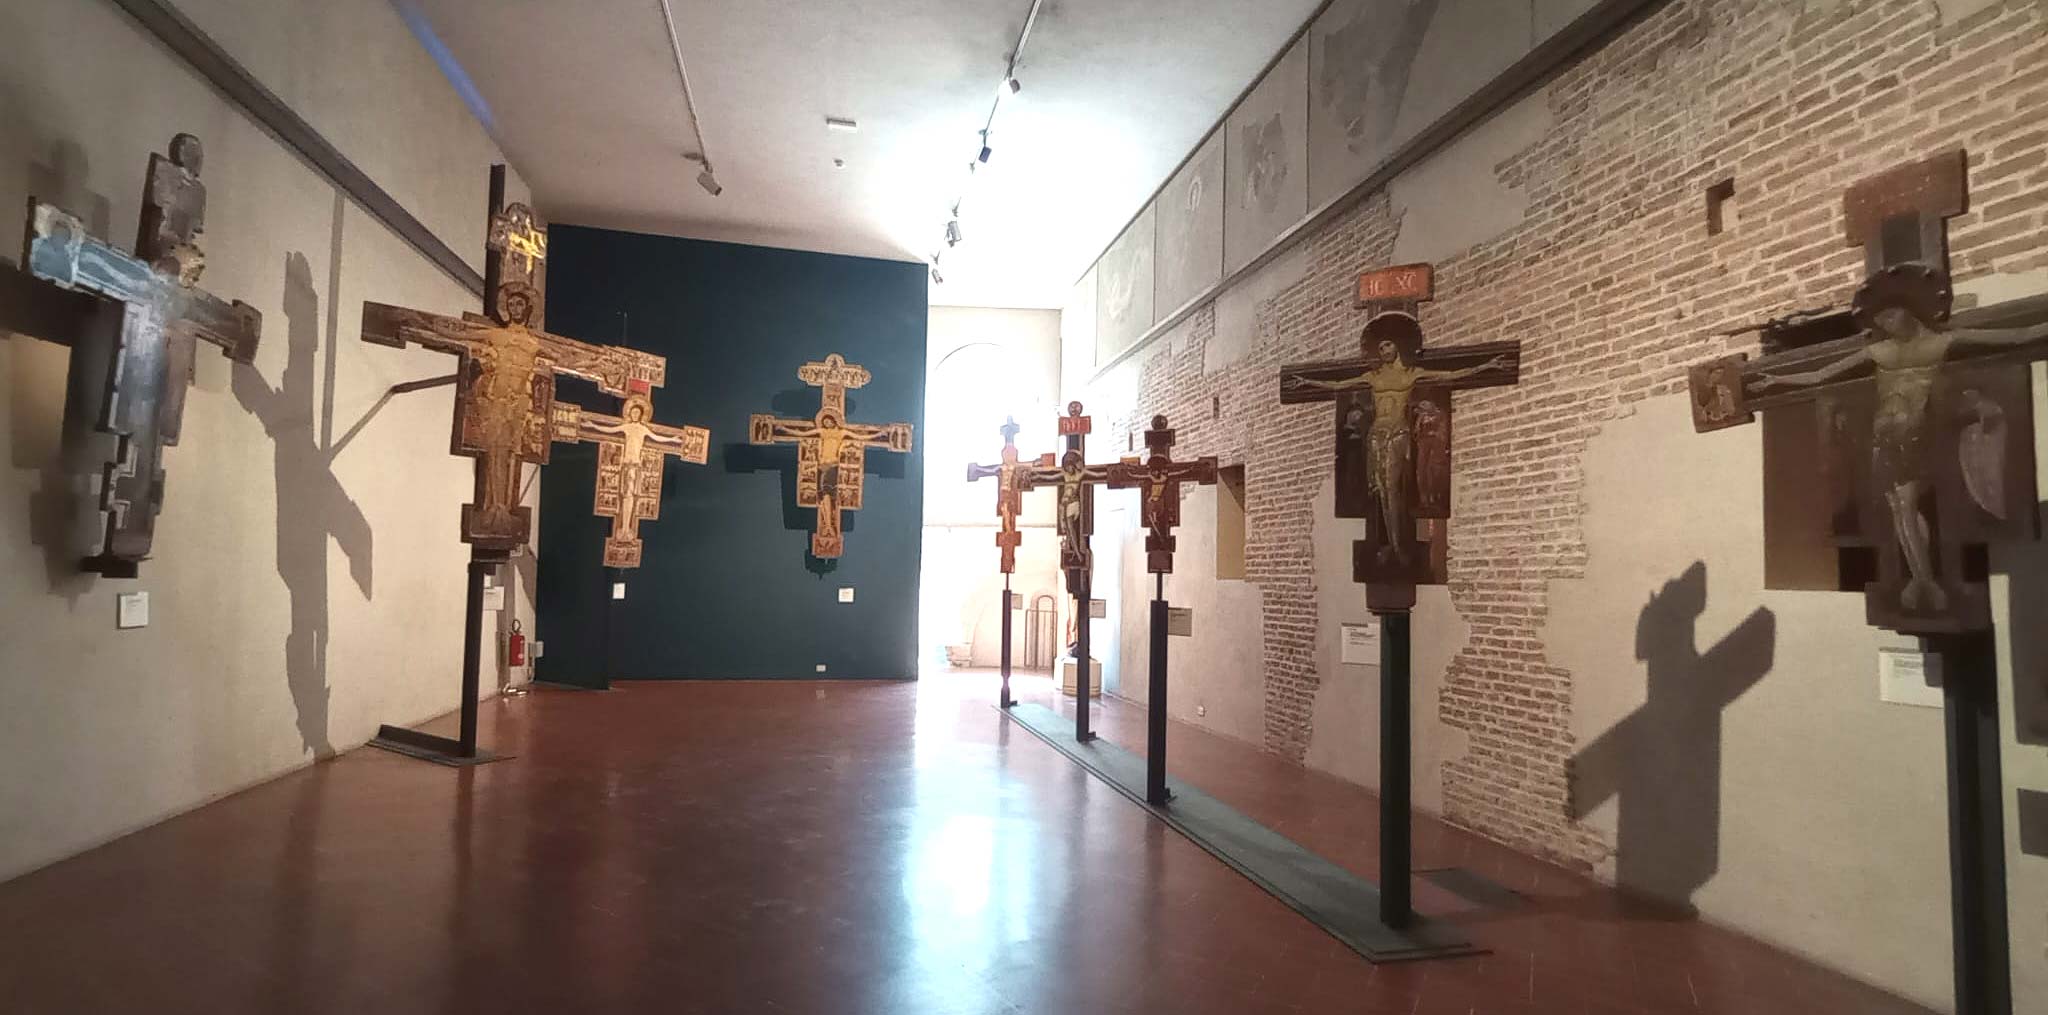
x: 195, y: 47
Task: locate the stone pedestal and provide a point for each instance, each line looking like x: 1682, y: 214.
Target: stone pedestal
x: 1067, y: 677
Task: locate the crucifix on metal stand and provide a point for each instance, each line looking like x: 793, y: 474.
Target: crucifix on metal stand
x: 831, y: 453
x: 1393, y: 415
x: 1075, y: 480
x: 133, y: 377
x: 1012, y: 479
x: 1926, y: 458
x: 504, y: 410
x: 1159, y: 479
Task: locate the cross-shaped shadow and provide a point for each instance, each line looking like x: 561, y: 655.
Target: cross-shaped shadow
x: 312, y: 507
x: 1663, y: 763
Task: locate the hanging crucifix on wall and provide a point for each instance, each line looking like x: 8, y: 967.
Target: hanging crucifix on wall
x: 143, y: 368
x: 1012, y: 478
x: 1393, y: 416
x: 1926, y: 455
x: 1158, y: 480
x: 505, y: 383
x: 632, y: 453
x: 831, y: 453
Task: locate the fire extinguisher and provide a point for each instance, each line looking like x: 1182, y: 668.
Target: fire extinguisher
x: 515, y: 645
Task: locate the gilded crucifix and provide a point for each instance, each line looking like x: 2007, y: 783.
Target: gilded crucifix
x: 505, y: 381
x: 1012, y: 478
x: 145, y: 367
x: 1159, y: 478
x: 831, y: 452
x: 1927, y: 417
x: 1393, y: 414
x: 632, y: 452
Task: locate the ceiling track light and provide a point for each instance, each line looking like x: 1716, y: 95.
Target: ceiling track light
x: 953, y: 233
x: 841, y: 124
x: 706, y: 178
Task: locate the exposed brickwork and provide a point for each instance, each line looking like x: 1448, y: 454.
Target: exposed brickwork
x: 1612, y: 285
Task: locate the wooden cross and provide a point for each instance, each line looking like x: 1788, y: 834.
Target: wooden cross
x: 632, y: 451
x: 1927, y: 416
x: 1160, y: 477
x: 505, y: 380
x: 831, y: 452
x: 1393, y: 415
x: 143, y: 370
x: 1011, y: 481
x: 1075, y: 480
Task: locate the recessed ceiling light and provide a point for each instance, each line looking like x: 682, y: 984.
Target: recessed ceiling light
x: 841, y: 123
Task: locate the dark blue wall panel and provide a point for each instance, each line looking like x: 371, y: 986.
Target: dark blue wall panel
x: 727, y: 588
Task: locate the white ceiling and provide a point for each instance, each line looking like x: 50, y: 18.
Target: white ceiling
x: 583, y: 98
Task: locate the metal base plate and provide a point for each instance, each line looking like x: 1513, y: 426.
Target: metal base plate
x: 428, y: 747
x: 1340, y: 902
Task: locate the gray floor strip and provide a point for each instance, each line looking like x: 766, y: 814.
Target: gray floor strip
x: 1340, y: 902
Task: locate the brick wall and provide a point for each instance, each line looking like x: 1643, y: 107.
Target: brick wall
x: 1612, y: 285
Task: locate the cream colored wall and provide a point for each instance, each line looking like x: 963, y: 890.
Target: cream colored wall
x: 962, y: 593
x: 106, y: 731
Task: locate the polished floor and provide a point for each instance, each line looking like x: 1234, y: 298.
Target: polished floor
x: 809, y: 848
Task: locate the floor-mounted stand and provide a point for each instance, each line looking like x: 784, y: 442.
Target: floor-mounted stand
x: 1976, y: 823
x: 1006, y: 701
x: 1395, y: 831
x: 1082, y: 661
x: 1156, y: 792
x: 463, y: 750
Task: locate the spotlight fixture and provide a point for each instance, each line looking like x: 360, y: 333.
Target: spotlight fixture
x: 709, y: 182
x: 986, y: 151
x: 953, y: 232
x: 1010, y: 85
x: 937, y: 279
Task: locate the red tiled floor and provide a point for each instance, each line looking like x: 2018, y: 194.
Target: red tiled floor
x: 806, y: 847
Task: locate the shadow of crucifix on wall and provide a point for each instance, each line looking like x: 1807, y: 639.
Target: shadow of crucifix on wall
x: 312, y: 506
x: 1662, y: 764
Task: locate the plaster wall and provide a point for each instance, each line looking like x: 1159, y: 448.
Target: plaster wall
x: 307, y: 582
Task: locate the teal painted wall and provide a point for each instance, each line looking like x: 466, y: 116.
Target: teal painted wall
x: 727, y: 588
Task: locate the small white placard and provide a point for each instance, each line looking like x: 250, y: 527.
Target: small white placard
x: 494, y: 597
x: 618, y: 590
x: 1180, y: 621
x: 1362, y: 643
x: 1907, y: 677
x: 1098, y: 608
x: 539, y: 647
x: 846, y: 595
x: 1016, y: 600
x: 131, y: 609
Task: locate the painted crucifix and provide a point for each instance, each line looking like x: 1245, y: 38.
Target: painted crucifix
x: 831, y: 452
x: 1159, y: 479
x: 505, y: 383
x: 145, y: 366
x: 1393, y: 416
x: 1012, y: 479
x: 1074, y: 480
x: 1927, y: 416
x: 632, y: 453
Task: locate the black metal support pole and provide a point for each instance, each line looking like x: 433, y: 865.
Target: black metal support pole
x: 1976, y: 824
x: 1395, y: 909
x: 611, y: 609
x: 1006, y: 702
x: 1081, y: 668
x: 473, y: 650
x: 1155, y: 711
